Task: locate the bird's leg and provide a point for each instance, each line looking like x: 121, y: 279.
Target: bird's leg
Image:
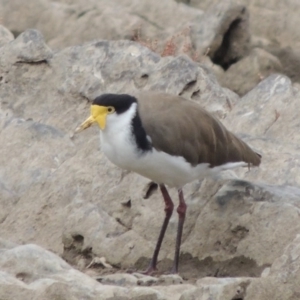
x: 169, y: 206
x: 181, y: 210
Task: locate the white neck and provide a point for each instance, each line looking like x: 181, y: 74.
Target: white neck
x: 117, y: 141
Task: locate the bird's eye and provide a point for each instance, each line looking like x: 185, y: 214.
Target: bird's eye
x: 110, y: 109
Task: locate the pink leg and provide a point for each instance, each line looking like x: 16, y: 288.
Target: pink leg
x: 181, y: 210
x: 169, y: 206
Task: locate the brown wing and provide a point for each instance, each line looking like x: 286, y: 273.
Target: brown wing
x: 182, y: 128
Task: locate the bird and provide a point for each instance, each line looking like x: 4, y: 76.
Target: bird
x: 170, y: 140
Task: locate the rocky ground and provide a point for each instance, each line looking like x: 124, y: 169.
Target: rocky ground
x: 72, y: 225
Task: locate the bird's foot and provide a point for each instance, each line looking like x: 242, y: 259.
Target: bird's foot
x: 149, y: 271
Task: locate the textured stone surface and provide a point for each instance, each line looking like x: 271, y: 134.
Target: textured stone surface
x: 118, y: 279
x: 218, y: 289
x: 281, y: 281
x: 275, y: 20
x: 155, y: 20
x: 274, y: 28
x: 170, y: 279
x: 30, y: 272
x: 222, y: 32
x: 144, y: 280
x: 95, y: 19
x: 242, y: 76
x: 61, y: 193
x: 28, y: 47
x: 5, y: 36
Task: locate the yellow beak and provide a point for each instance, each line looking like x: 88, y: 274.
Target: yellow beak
x: 98, y: 114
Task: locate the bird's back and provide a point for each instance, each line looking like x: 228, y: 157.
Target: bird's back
x: 181, y: 127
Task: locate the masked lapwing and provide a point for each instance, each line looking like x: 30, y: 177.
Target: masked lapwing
x: 169, y: 140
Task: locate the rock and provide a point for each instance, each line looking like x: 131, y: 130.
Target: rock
x: 282, y: 280
x: 118, y: 279
x: 258, y: 65
x: 31, y: 272
x: 4, y: 244
x: 141, y: 293
x: 30, y: 47
x: 224, y: 30
x: 273, y: 20
x: 234, y: 242
x: 145, y: 280
x: 20, y: 260
x: 218, y: 289
x: 5, y: 36
x: 286, y: 268
x: 168, y: 27
x: 276, y: 112
x: 289, y: 58
x: 184, y: 1
x: 27, y: 47
x: 28, y: 272
x: 280, y: 42
x: 175, y: 291
x: 267, y: 288
x: 170, y: 279
x: 59, y: 21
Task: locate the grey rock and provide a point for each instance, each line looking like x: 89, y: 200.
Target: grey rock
x: 28, y: 47
x: 5, y: 244
x: 289, y: 58
x: 244, y: 75
x: 30, y: 272
x: 93, y: 19
x: 145, y: 280
x: 20, y: 259
x: 224, y: 30
x: 31, y: 47
x: 119, y: 279
x: 281, y: 282
x: 141, y: 69
x: 170, y: 279
x: 151, y: 23
x: 241, y: 237
x: 141, y: 293
x: 191, y: 294
x: 218, y: 289
x: 287, y: 267
x: 272, y: 29
x: 272, y: 20
x: 175, y: 291
x: 5, y: 36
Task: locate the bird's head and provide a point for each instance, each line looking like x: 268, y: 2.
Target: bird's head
x: 106, y: 108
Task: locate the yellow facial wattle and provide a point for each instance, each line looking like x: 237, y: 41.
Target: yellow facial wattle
x: 98, y: 115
